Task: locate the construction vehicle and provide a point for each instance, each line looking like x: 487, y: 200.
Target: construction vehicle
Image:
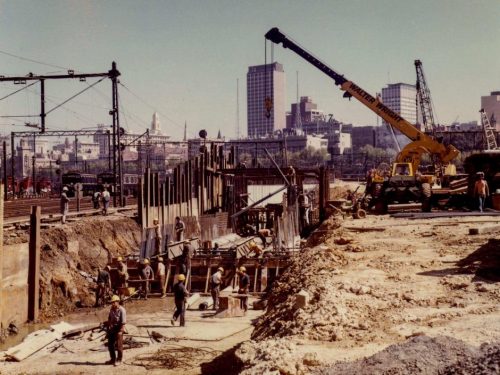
x: 405, y: 183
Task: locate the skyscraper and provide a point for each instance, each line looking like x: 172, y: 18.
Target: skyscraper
x: 265, y: 81
x: 401, y: 98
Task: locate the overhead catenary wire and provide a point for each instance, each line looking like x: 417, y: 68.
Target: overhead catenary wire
x: 32, y: 60
x: 154, y: 108
x: 21, y: 89
x: 74, y: 96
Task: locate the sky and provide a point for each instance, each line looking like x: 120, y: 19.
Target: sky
x: 183, y: 58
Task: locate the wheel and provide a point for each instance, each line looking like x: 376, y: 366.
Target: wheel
x: 359, y: 214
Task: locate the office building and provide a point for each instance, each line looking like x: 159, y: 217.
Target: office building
x: 265, y: 81
x: 401, y: 98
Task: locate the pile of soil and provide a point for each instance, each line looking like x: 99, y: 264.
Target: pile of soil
x: 418, y: 355
x: 486, y: 361
x: 66, y: 270
x: 309, y: 272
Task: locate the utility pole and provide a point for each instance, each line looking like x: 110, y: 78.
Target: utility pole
x: 118, y: 180
x: 34, y: 163
x: 109, y: 149
x: 76, y: 152
x: 12, y: 164
x: 5, y: 182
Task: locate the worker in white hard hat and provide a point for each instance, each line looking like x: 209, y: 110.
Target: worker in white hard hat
x: 117, y: 319
x: 64, y: 204
x: 244, y: 286
x: 180, y: 298
x: 215, y: 285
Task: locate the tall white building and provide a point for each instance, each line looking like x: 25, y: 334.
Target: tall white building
x: 401, y: 98
x: 265, y: 81
x: 491, y: 105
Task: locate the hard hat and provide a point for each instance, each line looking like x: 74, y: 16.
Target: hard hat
x: 115, y: 298
x: 146, y: 261
x: 251, y: 244
x: 65, y: 188
x: 181, y: 277
x: 220, y: 269
x: 160, y: 259
x: 155, y: 221
x: 243, y: 269
x: 119, y: 259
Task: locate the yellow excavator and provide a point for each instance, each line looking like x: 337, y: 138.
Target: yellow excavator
x: 405, y: 182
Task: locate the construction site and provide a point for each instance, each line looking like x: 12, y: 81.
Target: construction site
x: 285, y: 269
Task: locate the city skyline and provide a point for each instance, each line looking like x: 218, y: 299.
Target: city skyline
x: 183, y: 59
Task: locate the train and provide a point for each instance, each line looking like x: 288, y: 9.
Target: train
x: 90, y: 183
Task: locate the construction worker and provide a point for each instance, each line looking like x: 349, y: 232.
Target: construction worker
x: 263, y: 234
x: 117, y: 319
x: 244, y: 286
x: 64, y: 204
x: 215, y: 283
x: 180, y: 297
x: 255, y: 249
x: 216, y: 250
x: 103, y: 286
x: 160, y: 274
x: 122, y: 273
x: 187, y: 254
x: 106, y: 198
x: 96, y: 197
x: 180, y: 227
x: 158, y: 236
x: 146, y: 275
x: 481, y: 190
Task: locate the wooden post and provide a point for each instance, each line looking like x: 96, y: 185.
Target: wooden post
x: 140, y: 197
x: 1, y: 251
x: 34, y: 264
x: 208, y: 279
x: 78, y: 197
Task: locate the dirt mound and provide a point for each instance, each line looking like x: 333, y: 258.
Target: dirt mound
x: 418, y: 355
x: 308, y: 272
x: 70, y: 256
x: 486, y: 362
x: 326, y: 230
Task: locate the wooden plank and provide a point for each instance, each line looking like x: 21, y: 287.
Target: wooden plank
x: 208, y: 279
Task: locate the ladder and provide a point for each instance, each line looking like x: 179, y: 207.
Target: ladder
x: 489, y: 134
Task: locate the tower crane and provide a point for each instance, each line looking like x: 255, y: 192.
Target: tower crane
x: 424, y: 101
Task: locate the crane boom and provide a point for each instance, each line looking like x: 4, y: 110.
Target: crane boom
x: 424, y: 100
x: 421, y: 142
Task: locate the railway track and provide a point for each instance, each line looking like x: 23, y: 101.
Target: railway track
x: 22, y: 207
